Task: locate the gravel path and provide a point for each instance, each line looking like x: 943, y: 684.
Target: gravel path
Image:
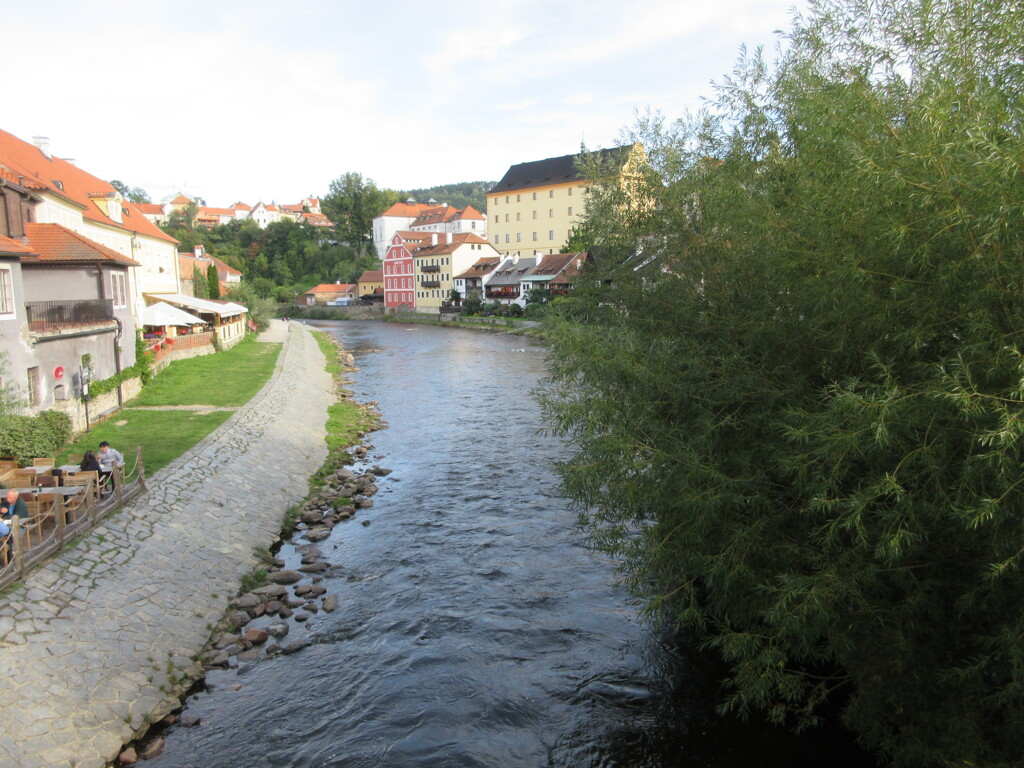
x: 94, y: 642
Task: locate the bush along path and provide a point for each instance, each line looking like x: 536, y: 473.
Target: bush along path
x: 102, y: 640
x: 271, y: 613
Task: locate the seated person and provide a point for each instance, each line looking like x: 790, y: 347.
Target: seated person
x: 12, y: 504
x: 108, y: 459
x: 89, y: 463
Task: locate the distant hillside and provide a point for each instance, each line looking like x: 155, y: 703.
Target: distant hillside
x: 460, y: 195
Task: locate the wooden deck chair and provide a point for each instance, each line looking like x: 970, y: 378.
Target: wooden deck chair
x: 75, y: 458
x: 46, y: 461
x: 23, y: 478
x: 85, y: 478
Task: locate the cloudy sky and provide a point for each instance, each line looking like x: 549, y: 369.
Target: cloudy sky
x: 262, y: 100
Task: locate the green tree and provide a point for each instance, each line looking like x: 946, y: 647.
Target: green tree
x: 353, y: 203
x: 212, y: 282
x: 794, y: 380
x: 131, y: 194
x: 200, y: 285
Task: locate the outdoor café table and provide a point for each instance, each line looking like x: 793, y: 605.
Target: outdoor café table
x: 39, y: 470
x: 70, y: 469
x: 70, y: 490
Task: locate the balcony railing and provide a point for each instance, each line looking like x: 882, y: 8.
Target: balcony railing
x: 68, y: 315
x: 430, y: 284
x: 430, y: 268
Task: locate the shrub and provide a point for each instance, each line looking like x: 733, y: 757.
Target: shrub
x: 40, y: 435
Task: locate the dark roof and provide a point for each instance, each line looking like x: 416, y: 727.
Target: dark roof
x: 555, y: 170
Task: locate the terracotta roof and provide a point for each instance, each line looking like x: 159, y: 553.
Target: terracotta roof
x: 482, y: 267
x: 292, y: 208
x: 68, y: 181
x: 458, y: 240
x: 240, y: 206
x: 216, y: 211
x: 317, y: 220
x: 554, y: 263
x: 7, y: 246
x: 332, y: 288
x: 372, y: 276
x: 181, y: 200
x: 555, y: 170
x: 406, y: 210
x: 415, y: 239
x: 186, y: 261
x: 153, y: 209
x: 271, y: 207
x: 54, y: 243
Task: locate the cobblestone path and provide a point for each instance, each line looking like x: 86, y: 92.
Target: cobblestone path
x: 95, y: 640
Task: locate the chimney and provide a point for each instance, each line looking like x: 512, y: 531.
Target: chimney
x: 198, y: 250
x: 337, y: 282
x: 43, y: 144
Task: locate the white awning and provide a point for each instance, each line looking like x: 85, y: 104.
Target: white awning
x: 224, y: 309
x: 164, y: 314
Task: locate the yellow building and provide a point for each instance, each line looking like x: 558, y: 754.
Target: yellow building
x: 535, y: 206
x: 371, y: 281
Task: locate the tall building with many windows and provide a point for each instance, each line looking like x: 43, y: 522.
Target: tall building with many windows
x: 536, y: 205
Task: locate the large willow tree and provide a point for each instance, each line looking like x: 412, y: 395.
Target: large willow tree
x: 794, y: 381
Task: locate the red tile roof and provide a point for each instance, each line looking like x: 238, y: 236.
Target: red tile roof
x: 458, y: 240
x: 7, y: 245
x: 332, y: 288
x: 181, y: 200
x: 372, y: 276
x: 54, y: 243
x: 153, y: 209
x: 406, y: 210
x: 68, y: 181
x: 240, y: 206
x: 482, y: 267
x: 317, y: 220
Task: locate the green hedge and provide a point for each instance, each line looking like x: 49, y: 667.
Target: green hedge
x: 26, y: 437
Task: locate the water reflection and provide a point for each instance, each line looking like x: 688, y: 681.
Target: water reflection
x: 475, y: 629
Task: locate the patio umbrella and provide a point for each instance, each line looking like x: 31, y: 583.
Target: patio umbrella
x: 164, y: 314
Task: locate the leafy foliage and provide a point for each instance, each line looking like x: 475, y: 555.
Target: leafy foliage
x: 352, y: 204
x: 795, y: 379
x: 457, y: 195
x: 39, y: 435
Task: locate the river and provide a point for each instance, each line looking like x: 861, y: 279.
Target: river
x: 475, y: 628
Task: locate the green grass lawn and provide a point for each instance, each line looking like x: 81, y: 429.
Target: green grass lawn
x: 163, y: 435
x: 225, y: 379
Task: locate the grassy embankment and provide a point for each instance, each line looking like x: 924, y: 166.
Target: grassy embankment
x: 225, y: 380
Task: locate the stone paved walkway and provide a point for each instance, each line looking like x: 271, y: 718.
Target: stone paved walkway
x: 95, y: 640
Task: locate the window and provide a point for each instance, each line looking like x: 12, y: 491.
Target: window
x: 506, y: 238
x: 534, y: 235
x: 118, y: 291
x: 519, y: 237
x: 551, y: 234
x: 495, y: 200
x: 517, y: 198
x: 506, y: 198
x: 506, y: 217
x: 570, y: 191
x: 496, y: 238
x: 534, y: 195
x: 6, y: 293
x: 551, y: 213
x: 551, y: 193
x: 495, y: 218
x: 570, y: 210
x: 33, y: 386
x: 535, y: 214
x: 519, y: 217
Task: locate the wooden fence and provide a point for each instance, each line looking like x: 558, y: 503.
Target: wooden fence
x: 32, y: 541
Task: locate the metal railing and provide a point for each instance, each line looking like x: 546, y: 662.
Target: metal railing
x: 68, y: 314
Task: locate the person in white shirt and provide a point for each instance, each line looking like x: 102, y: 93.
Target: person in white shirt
x: 108, y: 458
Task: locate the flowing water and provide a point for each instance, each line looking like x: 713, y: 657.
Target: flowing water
x: 474, y: 627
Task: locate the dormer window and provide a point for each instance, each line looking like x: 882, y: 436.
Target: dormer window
x: 58, y: 184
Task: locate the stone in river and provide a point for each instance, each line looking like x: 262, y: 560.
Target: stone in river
x: 256, y: 636
x: 128, y: 757
x: 153, y: 749
x: 285, y: 577
x: 296, y: 645
x: 190, y: 721
x: 270, y: 590
x: 277, y: 629
x: 317, y: 534
x: 314, y: 567
x: 330, y: 603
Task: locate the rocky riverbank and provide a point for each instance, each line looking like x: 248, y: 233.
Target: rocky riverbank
x: 273, y: 617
